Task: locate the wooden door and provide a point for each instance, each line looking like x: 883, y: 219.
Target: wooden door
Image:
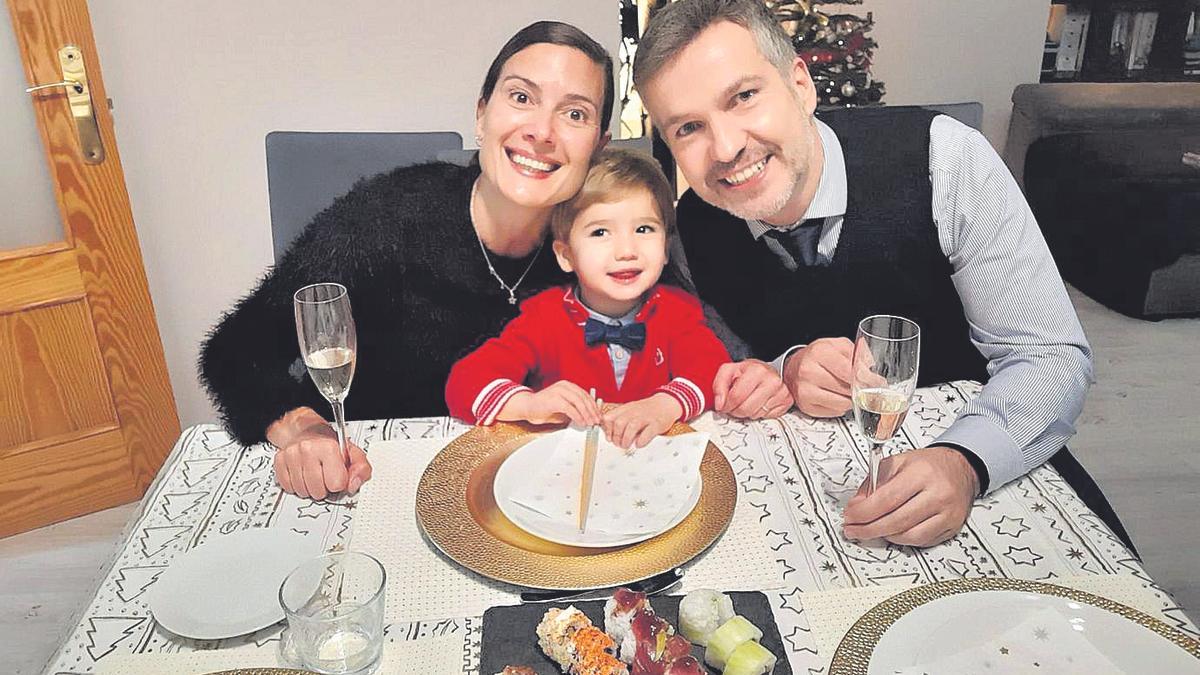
x: 86, y: 410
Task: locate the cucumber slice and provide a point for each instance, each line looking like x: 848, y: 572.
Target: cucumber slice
x: 701, y: 612
x: 727, y: 638
x: 750, y: 658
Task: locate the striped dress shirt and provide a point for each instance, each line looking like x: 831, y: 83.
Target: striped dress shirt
x: 1020, y: 317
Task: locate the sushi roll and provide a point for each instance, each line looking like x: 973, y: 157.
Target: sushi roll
x: 619, y: 612
x: 657, y: 644
x: 724, y: 640
x: 750, y: 658
x: 568, y: 637
x: 701, y: 612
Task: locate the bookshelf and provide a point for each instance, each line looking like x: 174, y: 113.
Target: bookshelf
x: 1122, y: 41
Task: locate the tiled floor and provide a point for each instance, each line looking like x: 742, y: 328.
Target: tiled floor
x: 1138, y: 437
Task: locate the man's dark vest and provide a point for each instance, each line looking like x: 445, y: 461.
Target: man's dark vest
x: 888, y: 259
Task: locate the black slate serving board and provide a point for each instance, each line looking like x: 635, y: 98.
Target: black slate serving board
x: 509, y: 637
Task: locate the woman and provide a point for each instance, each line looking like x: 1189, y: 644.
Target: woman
x: 435, y: 258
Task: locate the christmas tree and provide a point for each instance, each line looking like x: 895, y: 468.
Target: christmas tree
x: 836, y: 49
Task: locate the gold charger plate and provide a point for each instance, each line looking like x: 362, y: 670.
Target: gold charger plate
x: 853, y: 655
x: 457, y: 511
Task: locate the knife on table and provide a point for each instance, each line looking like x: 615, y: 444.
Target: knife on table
x: 650, y: 586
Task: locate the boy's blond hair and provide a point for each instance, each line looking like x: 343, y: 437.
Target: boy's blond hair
x: 614, y: 175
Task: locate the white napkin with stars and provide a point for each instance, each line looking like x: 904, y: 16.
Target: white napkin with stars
x: 633, y: 494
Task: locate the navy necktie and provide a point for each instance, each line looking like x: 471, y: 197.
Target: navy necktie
x: 801, y: 241
x: 632, y: 336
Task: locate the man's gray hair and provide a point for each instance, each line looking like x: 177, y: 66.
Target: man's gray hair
x: 677, y: 24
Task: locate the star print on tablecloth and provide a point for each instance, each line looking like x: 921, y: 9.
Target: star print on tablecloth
x: 734, y: 438
x: 792, y: 600
x: 796, y: 640
x: 929, y: 414
x: 757, y: 484
x: 1012, y: 527
x: 1022, y: 556
x: 741, y: 463
x: 763, y: 508
x: 1038, y: 507
x: 787, y: 569
x: 1074, y: 553
x: 1041, y: 634
x: 312, y: 509
x: 781, y: 537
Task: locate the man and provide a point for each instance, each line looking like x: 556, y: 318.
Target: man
x: 796, y: 228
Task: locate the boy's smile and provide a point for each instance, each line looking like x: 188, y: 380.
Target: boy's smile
x: 617, y: 250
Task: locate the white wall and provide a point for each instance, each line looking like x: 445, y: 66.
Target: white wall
x: 948, y: 51
x: 196, y: 87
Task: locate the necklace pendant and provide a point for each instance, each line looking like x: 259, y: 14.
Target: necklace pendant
x: 512, y: 299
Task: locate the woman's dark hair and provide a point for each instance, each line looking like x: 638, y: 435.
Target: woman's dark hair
x: 555, y: 33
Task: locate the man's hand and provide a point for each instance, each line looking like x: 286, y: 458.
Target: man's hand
x: 634, y: 424
x: 818, y: 377
x: 750, y: 389
x: 308, y: 462
x: 923, y: 499
x: 560, y: 402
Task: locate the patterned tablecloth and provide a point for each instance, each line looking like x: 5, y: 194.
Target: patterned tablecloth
x: 794, y: 474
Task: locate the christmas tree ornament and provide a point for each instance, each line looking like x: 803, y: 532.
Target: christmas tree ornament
x: 835, y: 47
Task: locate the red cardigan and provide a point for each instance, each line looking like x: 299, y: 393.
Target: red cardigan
x: 545, y: 344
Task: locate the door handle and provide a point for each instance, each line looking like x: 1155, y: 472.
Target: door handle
x: 79, y: 97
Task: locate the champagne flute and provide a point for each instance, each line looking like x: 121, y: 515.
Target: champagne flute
x: 328, y: 343
x: 887, y: 353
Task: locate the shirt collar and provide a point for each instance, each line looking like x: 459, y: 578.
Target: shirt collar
x: 580, y: 312
x: 830, y: 198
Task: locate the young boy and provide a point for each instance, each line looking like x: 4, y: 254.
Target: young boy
x: 617, y: 331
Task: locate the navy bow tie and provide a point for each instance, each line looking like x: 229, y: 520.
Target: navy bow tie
x: 632, y: 336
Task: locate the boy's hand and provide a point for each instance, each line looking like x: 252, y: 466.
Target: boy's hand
x: 635, y: 424
x: 560, y: 402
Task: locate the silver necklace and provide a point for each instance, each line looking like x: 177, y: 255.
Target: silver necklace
x: 512, y: 290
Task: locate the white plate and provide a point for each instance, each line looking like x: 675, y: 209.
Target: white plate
x: 229, y: 585
x: 1006, y: 631
x: 526, y: 461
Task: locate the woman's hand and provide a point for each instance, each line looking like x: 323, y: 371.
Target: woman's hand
x: 308, y: 462
x: 751, y: 390
x: 635, y: 424
x: 560, y: 402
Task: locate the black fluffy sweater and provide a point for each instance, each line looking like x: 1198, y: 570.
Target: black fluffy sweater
x: 403, y: 244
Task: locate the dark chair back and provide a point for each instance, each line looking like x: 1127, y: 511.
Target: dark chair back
x: 306, y: 171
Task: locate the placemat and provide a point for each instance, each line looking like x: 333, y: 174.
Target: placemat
x: 433, y: 656
x: 424, y: 585
x: 421, y: 583
x: 831, y: 614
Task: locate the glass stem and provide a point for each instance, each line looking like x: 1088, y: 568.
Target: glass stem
x: 339, y: 417
x: 876, y: 456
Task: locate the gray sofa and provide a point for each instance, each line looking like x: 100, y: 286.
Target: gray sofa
x: 1112, y: 172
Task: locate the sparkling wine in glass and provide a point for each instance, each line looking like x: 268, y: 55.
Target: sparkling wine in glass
x: 887, y: 353
x: 328, y: 343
